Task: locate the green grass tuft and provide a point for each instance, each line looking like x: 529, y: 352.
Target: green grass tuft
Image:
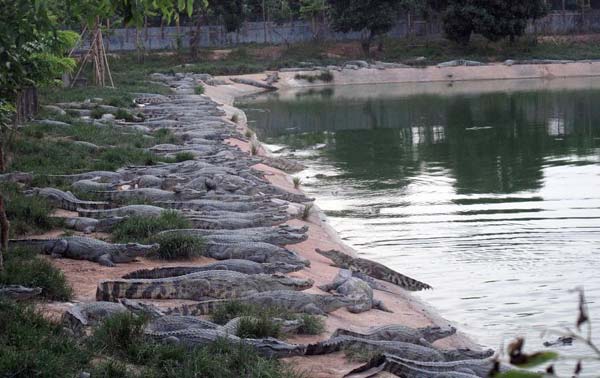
x: 31, y: 346
x: 183, y: 156
x: 178, y: 247
x: 297, y: 181
x: 24, y: 267
x: 248, y: 134
x: 120, y: 335
x: 257, y: 328
x: 235, y: 118
x: 27, y: 215
x: 97, y: 113
x: 124, y: 114
x: 306, y: 211
x: 113, y: 369
x: 199, y: 90
x: 311, y: 325
x: 141, y: 228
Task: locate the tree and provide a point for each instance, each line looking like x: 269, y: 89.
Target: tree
x: 374, y: 17
x: 494, y: 19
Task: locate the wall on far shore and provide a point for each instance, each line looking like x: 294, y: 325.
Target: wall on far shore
x: 157, y: 38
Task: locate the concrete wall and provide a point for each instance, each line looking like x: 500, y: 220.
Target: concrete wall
x: 156, y: 38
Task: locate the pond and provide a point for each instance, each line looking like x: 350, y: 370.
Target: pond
x: 488, y: 191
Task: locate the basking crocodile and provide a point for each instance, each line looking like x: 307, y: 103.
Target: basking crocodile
x: 65, y: 200
x: 282, y: 164
x: 88, y: 225
x: 125, y: 211
x: 81, y: 248
x: 285, y: 326
x: 373, y: 269
x: 405, y: 350
x: 280, y: 235
x: 209, y: 204
x: 404, y: 367
x: 197, y: 337
x: 232, y: 223
x: 148, y: 194
x: 294, y: 301
x: 199, y: 286
x: 395, y: 332
x: 18, y: 292
x: 236, y: 265
x: 345, y: 284
x: 169, y: 323
x: 218, y: 248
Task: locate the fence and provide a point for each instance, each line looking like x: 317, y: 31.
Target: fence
x: 158, y: 38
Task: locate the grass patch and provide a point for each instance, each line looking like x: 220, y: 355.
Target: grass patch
x: 297, y: 181
x: 248, y: 134
x: 183, y: 156
x: 31, y: 346
x: 120, y: 335
x: 257, y: 328
x: 199, y: 90
x: 141, y: 228
x: 178, y: 247
x: 113, y: 369
x: 358, y: 354
x: 97, y: 113
x: 24, y: 267
x: 27, y: 215
x: 254, y: 148
x: 165, y: 136
x: 124, y: 114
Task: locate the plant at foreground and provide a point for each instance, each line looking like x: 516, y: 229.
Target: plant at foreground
x: 178, y: 247
x: 141, y: 228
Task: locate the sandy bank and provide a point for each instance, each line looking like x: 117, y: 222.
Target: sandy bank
x: 407, y: 310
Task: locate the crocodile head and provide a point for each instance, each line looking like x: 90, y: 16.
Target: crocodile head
x: 273, y: 348
x: 331, y: 303
x: 293, y: 282
x: 338, y: 258
x: 132, y: 251
x: 433, y: 333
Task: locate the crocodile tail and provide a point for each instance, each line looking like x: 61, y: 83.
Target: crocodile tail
x: 332, y: 345
x: 112, y: 290
x: 378, y: 363
x: 408, y: 283
x: 201, y: 308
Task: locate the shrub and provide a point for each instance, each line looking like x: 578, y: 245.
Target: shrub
x: 199, y: 90
x: 165, y: 136
x: 258, y: 327
x: 183, y: 156
x: 24, y: 267
x: 325, y: 76
x: 178, y: 247
x: 141, y: 228
x: 31, y: 346
x: 297, y: 181
x: 122, y: 101
x: 112, y: 369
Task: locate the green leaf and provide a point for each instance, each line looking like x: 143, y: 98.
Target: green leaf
x: 519, y: 374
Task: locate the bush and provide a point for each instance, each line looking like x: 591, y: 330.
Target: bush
x: 112, y: 369
x: 31, y: 346
x: 199, y: 90
x: 24, y: 267
x: 325, y: 76
x: 178, y: 247
x: 183, y: 156
x: 257, y: 328
x: 140, y: 228
x: 97, y: 113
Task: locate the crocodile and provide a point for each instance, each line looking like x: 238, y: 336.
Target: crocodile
x: 300, y: 302
x: 88, y: 314
x: 280, y: 235
x: 65, y: 200
x: 207, y: 204
x: 353, y: 287
x: 91, y: 186
x: 236, y: 265
x: 18, y: 292
x: 264, y: 253
x: 404, y: 367
x: 103, y: 175
x: 395, y: 332
x: 373, y: 269
x: 286, y: 165
x: 89, y: 225
x: 17, y: 177
x: 199, y: 286
x: 405, y: 350
x: 81, y: 248
x: 197, y: 337
x: 125, y: 211
x: 148, y: 194
x: 285, y: 326
x: 232, y: 223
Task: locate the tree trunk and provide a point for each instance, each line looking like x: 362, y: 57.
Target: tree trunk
x: 4, y: 228
x: 195, y: 40
x: 2, y: 158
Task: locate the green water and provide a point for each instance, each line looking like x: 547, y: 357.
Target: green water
x: 490, y: 192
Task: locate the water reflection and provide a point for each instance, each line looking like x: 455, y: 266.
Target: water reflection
x: 487, y: 191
